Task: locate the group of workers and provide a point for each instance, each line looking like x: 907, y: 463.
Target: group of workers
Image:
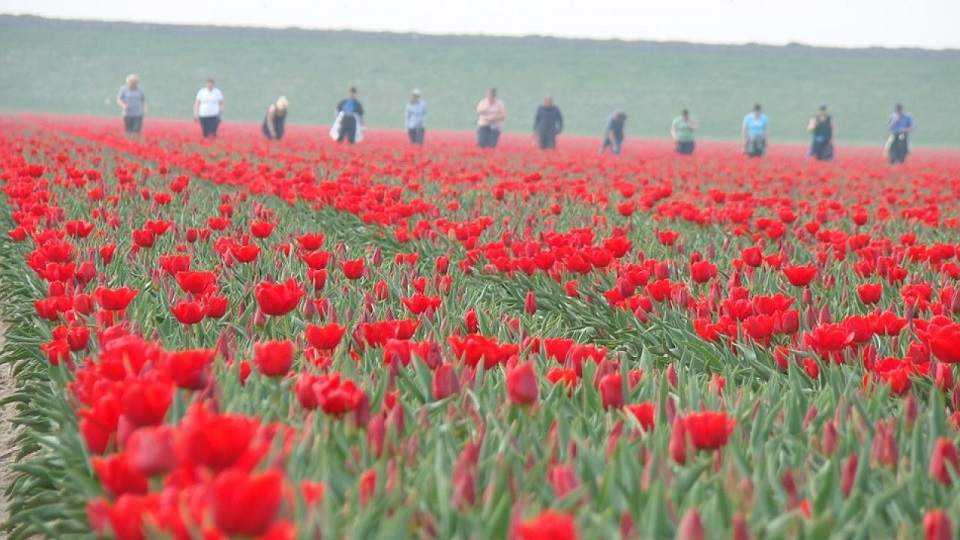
x: 492, y: 112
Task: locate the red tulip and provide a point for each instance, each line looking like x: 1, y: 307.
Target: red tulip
x: 215, y: 441
x: 870, y: 293
x: 273, y: 358
x: 644, y: 413
x: 145, y: 402
x: 691, y: 526
x: 114, y: 299
x: 188, y: 312
x: 150, y: 450
x: 117, y: 476
x: 548, y: 525
x: 353, y: 269
x: 702, y: 271
x: 611, y: 390
x: 278, y: 299
x: 945, y: 344
x: 937, y: 526
x: 944, y: 460
x: 708, y: 430
x: 445, y: 382
x: 195, y: 282
x: 800, y: 276
x: 189, y: 369
x: 325, y: 337
x: 522, y: 387
x: 246, y: 504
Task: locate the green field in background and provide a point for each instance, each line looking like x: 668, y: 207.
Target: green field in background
x: 71, y: 67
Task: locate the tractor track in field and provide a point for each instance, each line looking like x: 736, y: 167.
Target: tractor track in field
x: 7, y: 432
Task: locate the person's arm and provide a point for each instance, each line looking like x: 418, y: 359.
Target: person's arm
x: 692, y: 125
x: 271, y: 117
x: 833, y: 130
x: 908, y: 128
x: 123, y: 106
x: 559, y: 121
x: 537, y: 118
x: 812, y: 124
x: 766, y: 132
x: 673, y: 130
x: 359, y: 113
x: 196, y: 108
x: 222, y: 106
x: 743, y: 132
x: 143, y: 101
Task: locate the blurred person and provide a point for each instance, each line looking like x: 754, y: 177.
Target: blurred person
x: 823, y: 131
x: 349, y: 123
x: 276, y: 119
x: 491, y: 112
x: 415, y: 118
x: 682, y: 130
x: 755, y: 132
x: 207, y: 109
x: 613, y: 132
x: 900, y: 125
x: 547, y: 124
x: 133, y: 102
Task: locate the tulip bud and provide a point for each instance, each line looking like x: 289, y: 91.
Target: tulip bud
x: 945, y: 457
x: 530, y: 304
x: 739, y: 528
x: 678, y: 441
x: 849, y: 474
x: 937, y: 525
x: 445, y: 382
x: 691, y: 527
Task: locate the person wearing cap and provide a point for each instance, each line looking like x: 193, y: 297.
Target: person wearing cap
x: 207, y: 109
x: 823, y: 131
x: 273, y: 124
x: 900, y: 125
x: 491, y: 112
x: 133, y: 102
x: 613, y: 133
x: 755, y: 131
x: 547, y: 124
x: 682, y: 130
x: 416, y: 116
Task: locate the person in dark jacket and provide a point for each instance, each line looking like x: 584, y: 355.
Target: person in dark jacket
x: 547, y: 124
x: 273, y: 124
x: 350, y: 116
x: 823, y: 131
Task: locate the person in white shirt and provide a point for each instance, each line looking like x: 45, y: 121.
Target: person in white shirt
x: 416, y: 115
x: 207, y: 109
x: 491, y: 112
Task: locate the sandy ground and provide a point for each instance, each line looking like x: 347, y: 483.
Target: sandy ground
x: 7, y: 449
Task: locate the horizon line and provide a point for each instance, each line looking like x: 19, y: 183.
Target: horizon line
x: 789, y: 44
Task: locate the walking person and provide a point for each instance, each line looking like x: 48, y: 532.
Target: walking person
x: 755, y: 132
x: 682, y: 130
x: 613, y: 133
x: 133, y: 102
x: 491, y: 112
x: 207, y: 109
x: 416, y: 116
x: 547, y: 124
x: 900, y: 125
x: 823, y: 131
x: 349, y: 123
x: 276, y: 119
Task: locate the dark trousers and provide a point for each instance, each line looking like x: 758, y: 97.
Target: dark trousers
x: 348, y: 129
x: 898, y: 149
x: 487, y: 137
x: 209, y: 125
x: 547, y: 140
x: 685, y: 147
x: 133, y: 124
x: 756, y: 147
x: 416, y: 135
x: 822, y: 150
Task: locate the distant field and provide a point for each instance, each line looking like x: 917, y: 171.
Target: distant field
x: 77, y: 67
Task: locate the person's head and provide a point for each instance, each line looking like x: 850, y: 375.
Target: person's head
x: 822, y: 110
x: 282, y: 103
x: 685, y: 113
x: 210, y: 83
x: 898, y: 108
x: 352, y: 91
x: 132, y: 81
x: 492, y: 93
x: 548, y: 101
x: 757, y: 109
x: 415, y: 96
x: 620, y: 116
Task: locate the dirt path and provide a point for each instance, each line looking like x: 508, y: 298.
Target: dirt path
x: 7, y: 449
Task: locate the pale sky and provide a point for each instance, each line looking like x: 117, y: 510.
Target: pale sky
x: 844, y: 23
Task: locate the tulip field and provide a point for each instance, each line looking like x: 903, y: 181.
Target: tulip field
x: 236, y: 339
